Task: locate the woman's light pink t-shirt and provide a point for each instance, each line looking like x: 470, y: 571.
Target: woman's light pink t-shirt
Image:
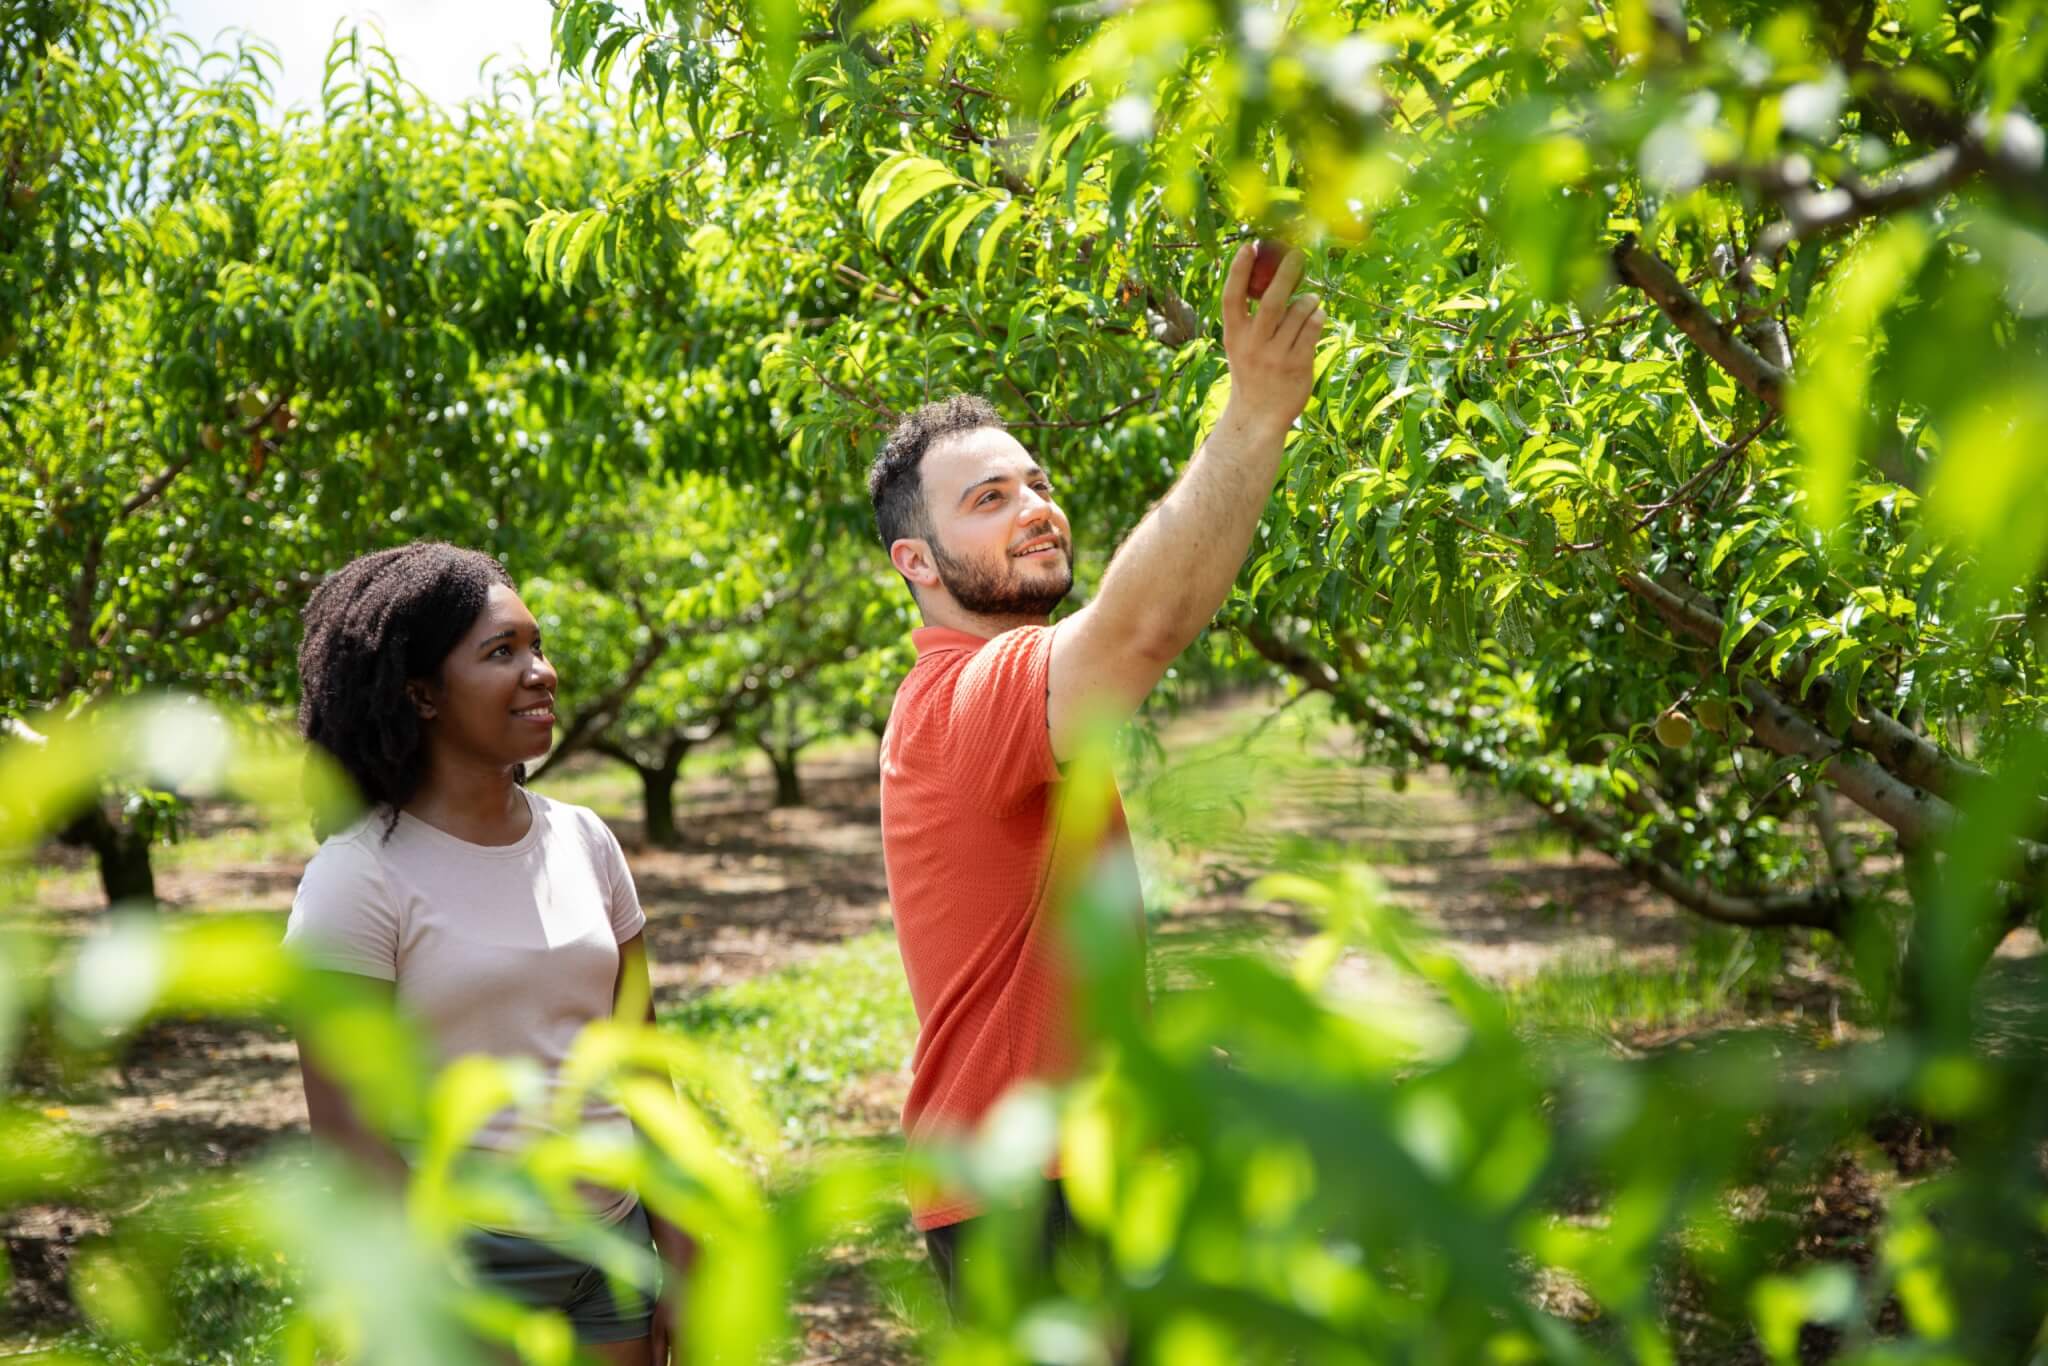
x: 506, y: 950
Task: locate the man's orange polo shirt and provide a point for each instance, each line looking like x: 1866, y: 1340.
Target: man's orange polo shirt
x: 968, y: 779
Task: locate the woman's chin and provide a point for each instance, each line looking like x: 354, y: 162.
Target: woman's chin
x: 533, y: 750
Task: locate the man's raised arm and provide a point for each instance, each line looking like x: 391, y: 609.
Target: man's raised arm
x: 1175, y: 569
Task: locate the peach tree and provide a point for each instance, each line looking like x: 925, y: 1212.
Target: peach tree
x: 1670, y: 458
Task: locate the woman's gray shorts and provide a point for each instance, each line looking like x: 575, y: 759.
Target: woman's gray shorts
x: 534, y: 1273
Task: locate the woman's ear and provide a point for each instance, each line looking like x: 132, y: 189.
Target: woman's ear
x: 422, y: 702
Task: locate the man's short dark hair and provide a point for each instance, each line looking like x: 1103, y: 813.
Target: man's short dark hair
x: 896, y: 481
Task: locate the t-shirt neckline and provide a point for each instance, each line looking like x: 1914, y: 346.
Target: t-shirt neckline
x: 436, y: 834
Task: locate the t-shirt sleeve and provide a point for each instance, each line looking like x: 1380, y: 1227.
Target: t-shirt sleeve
x: 626, y: 916
x: 342, y: 916
x: 998, y: 740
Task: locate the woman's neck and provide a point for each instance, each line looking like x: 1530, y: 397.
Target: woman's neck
x: 475, y: 802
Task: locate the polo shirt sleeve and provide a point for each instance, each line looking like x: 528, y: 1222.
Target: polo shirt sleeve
x: 343, y: 917
x: 999, y: 742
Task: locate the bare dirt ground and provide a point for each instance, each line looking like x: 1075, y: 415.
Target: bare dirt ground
x: 753, y: 889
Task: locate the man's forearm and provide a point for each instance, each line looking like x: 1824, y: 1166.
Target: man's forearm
x: 1174, y: 570
x: 1176, y: 567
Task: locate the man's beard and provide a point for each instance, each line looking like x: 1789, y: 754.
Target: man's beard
x: 990, y: 594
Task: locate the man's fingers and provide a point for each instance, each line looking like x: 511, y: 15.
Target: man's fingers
x: 1310, y: 327
x: 1287, y: 322
x: 1272, y: 316
x: 1236, y: 282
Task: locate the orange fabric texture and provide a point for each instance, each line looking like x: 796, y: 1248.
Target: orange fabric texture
x: 968, y: 778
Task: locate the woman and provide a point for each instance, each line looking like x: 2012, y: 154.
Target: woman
x: 501, y: 921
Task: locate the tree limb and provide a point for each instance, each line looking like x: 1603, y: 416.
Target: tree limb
x: 1817, y: 910
x: 1919, y: 814
x: 601, y: 712
x: 1814, y: 212
x: 1654, y: 278
x: 1904, y: 752
x: 150, y: 491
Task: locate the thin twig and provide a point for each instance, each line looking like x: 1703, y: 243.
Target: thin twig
x: 1650, y: 512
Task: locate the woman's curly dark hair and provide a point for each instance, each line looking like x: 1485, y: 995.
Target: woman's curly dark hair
x: 374, y: 625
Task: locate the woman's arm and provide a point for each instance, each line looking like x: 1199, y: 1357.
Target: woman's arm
x: 329, y: 1111
x: 635, y: 994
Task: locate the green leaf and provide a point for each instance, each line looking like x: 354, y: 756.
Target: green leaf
x: 991, y: 238
x: 1826, y: 406
x: 897, y: 185
x: 961, y: 219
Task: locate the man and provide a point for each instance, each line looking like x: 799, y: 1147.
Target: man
x: 998, y: 699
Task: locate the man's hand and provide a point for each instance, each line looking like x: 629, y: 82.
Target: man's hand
x: 1175, y: 569
x: 1272, y: 350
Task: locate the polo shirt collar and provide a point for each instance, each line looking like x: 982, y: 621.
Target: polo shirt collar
x: 930, y: 639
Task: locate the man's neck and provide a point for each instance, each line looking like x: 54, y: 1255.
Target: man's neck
x: 953, y: 617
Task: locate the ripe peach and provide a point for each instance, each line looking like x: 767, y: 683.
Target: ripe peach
x: 1266, y: 258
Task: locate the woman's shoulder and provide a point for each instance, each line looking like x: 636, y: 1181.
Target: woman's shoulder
x: 569, y: 818
x: 355, y: 855
x: 353, y: 844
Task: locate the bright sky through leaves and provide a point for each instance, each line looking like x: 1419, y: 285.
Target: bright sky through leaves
x: 440, y: 44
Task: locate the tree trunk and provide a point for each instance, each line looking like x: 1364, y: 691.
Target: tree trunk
x: 789, y: 789
x: 123, y: 854
x: 659, y: 802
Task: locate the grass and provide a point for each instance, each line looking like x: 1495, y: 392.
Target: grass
x: 809, y: 1033
x: 1719, y: 973
x: 213, y: 1310
x: 1533, y: 844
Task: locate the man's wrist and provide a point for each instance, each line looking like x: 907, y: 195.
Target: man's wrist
x: 1248, y: 420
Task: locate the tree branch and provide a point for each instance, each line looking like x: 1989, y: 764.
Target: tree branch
x: 1815, y: 910
x: 1814, y: 212
x: 1904, y: 752
x: 1654, y: 278
x: 1650, y: 512
x: 1917, y: 813
x: 150, y: 491
x: 600, y: 713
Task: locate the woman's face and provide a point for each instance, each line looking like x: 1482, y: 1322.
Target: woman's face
x: 495, y: 701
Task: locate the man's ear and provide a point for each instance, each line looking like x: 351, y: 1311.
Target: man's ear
x: 912, y: 557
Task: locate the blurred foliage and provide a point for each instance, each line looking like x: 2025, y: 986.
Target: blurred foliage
x: 373, y: 1271
x: 1268, y: 1168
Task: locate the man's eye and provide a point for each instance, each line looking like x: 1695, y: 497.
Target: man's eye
x: 988, y: 498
